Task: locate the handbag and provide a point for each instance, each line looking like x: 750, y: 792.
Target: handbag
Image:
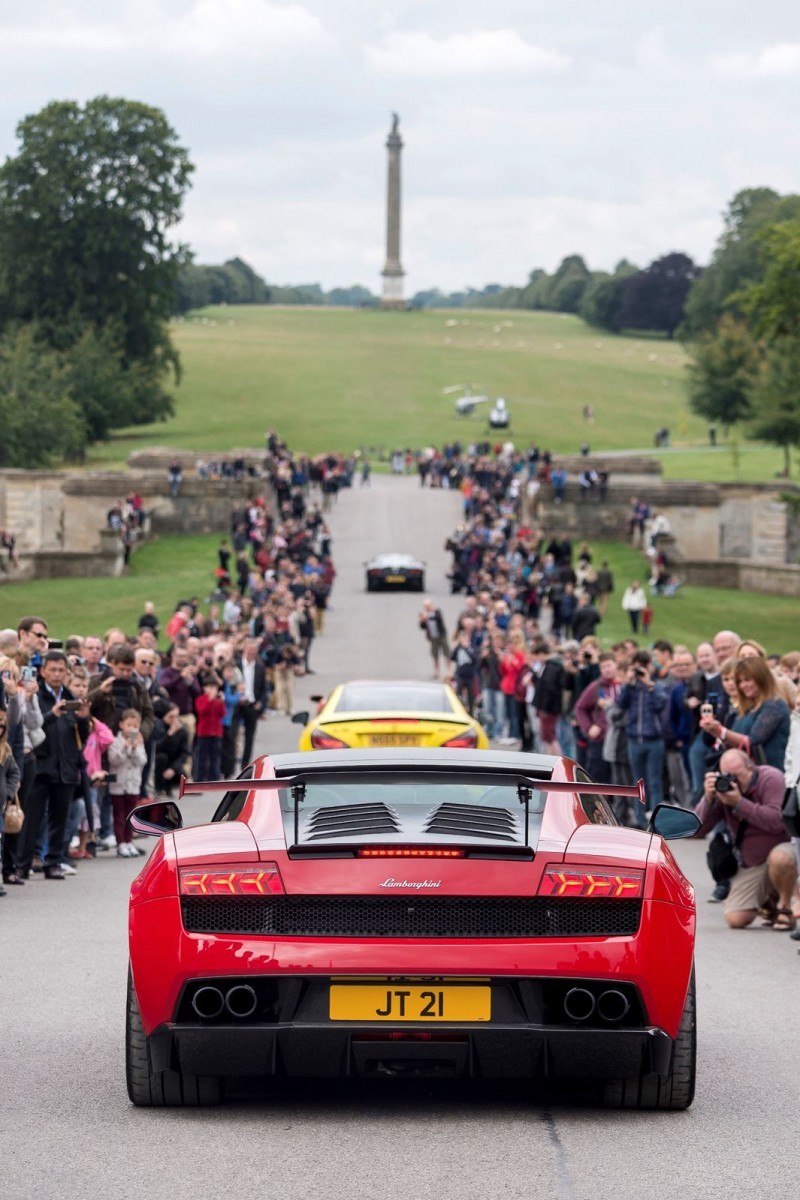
x: 790, y: 811
x: 722, y: 854
x: 13, y: 816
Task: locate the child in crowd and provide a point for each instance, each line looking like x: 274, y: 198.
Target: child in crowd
x: 211, y: 711
x: 99, y: 739
x: 126, y: 758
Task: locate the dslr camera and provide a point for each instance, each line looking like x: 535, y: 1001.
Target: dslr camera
x: 725, y: 783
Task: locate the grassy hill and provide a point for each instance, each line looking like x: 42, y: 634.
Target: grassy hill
x: 345, y: 379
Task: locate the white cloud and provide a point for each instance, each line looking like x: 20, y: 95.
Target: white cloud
x: 207, y: 29
x: 772, y: 62
x: 481, y: 52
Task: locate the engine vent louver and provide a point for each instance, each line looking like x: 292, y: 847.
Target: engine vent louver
x: 350, y: 820
x: 467, y: 820
x: 445, y: 917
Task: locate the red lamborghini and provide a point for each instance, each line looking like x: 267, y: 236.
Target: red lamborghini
x: 438, y: 913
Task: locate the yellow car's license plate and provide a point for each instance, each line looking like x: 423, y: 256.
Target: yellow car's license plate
x: 395, y: 579
x: 393, y: 739
x: 409, y: 1002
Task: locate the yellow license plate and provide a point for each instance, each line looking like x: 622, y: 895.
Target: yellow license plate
x: 393, y: 739
x: 409, y: 1002
x: 395, y: 579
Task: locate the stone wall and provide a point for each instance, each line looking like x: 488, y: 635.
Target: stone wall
x: 744, y: 575
x: 60, y: 517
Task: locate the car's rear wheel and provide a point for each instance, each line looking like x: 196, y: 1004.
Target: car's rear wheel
x: 160, y: 1089
x: 674, y: 1091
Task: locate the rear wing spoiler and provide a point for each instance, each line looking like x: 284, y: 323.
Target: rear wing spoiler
x: 296, y: 783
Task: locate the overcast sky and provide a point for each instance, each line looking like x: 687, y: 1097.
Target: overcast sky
x: 532, y: 128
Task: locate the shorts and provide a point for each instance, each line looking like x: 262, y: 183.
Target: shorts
x: 439, y: 646
x: 548, y: 726
x: 750, y: 886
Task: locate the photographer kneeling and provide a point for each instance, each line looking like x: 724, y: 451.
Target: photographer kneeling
x: 749, y: 799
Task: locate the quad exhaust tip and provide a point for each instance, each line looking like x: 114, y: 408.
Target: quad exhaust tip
x: 579, y: 1004
x: 208, y: 1002
x: 612, y: 1006
x: 241, y: 1001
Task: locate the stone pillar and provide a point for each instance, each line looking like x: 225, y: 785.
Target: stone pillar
x: 392, y: 296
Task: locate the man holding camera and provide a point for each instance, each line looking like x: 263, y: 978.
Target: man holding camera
x: 645, y: 702
x: 749, y: 799
x: 58, y: 766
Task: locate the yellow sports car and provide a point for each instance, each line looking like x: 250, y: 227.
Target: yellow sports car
x: 373, y: 713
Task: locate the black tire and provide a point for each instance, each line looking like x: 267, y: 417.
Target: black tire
x: 676, y: 1090
x: 162, y: 1089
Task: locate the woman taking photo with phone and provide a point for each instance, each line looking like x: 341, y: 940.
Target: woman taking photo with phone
x: 762, y: 722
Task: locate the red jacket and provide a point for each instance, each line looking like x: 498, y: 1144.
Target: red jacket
x: 209, y: 716
x: 510, y: 665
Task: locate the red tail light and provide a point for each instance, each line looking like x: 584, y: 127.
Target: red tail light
x: 326, y: 741
x: 467, y: 740
x: 261, y: 880
x: 592, y: 884
x: 409, y: 852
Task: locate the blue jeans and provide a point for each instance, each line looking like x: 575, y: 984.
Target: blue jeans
x: 494, y: 709
x: 209, y: 758
x: 511, y: 716
x: 647, y: 762
x: 566, y: 736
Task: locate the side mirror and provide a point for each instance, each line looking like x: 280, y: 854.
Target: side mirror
x: 671, y: 822
x: 300, y: 718
x: 164, y: 816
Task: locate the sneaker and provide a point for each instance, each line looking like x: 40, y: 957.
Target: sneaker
x: 107, y: 843
x: 719, y: 893
x: 75, y: 843
x: 67, y: 869
x: 139, y: 850
x: 54, y: 873
x: 122, y: 850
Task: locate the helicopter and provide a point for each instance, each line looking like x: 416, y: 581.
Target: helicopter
x: 499, y: 413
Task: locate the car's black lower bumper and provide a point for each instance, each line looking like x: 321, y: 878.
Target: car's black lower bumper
x: 489, y: 1052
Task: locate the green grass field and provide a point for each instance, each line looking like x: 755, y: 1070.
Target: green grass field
x: 173, y: 567
x: 343, y: 379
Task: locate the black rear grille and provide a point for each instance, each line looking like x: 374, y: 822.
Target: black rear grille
x: 350, y: 820
x: 411, y: 916
x: 467, y: 820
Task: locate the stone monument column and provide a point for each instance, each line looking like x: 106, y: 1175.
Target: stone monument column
x: 392, y: 296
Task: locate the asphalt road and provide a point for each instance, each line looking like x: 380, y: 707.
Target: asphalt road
x: 67, y: 1129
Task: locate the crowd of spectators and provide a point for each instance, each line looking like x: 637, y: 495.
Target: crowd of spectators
x: 91, y: 726
x: 714, y: 726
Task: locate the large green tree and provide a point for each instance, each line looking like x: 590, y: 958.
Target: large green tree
x: 656, y: 297
x: 39, y: 419
x: 602, y: 301
x: 722, y: 373
x: 737, y: 260
x: 86, y: 210
x: 776, y: 398
x: 774, y: 303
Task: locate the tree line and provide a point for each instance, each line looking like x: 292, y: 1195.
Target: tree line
x: 235, y: 282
